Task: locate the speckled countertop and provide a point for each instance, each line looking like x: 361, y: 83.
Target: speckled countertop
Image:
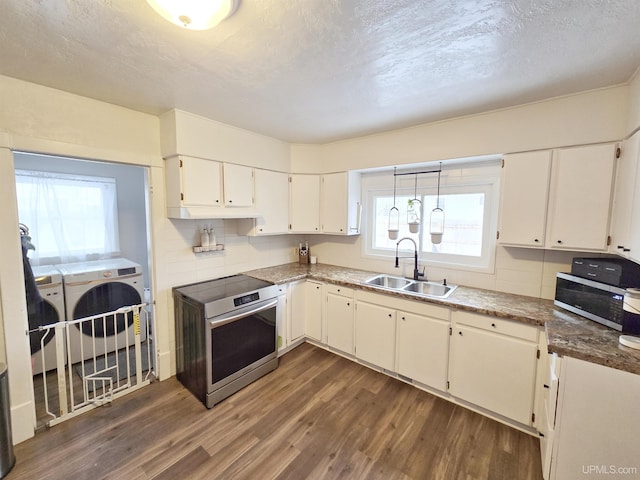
x: 567, y: 334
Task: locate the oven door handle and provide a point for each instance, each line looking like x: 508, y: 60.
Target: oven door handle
x: 231, y: 317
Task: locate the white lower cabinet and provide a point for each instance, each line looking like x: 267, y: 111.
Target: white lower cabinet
x: 375, y: 334
x: 282, y: 340
x: 296, y: 310
x: 422, y: 345
x: 493, y: 365
x: 313, y: 308
x: 340, y: 318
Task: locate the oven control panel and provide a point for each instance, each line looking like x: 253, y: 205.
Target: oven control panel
x: 252, y: 297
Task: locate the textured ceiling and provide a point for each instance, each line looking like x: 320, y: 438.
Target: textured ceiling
x: 314, y: 71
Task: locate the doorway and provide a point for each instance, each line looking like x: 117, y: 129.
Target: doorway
x: 87, y: 225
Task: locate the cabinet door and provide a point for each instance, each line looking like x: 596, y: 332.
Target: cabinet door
x: 334, y: 203
x: 313, y: 309
x: 375, y: 335
x: 272, y: 201
x: 493, y: 371
x: 340, y: 322
x: 296, y: 310
x: 634, y: 228
x: 201, y: 184
x: 580, y: 204
x: 422, y: 345
x: 523, y: 198
x: 623, y: 194
x: 238, y: 185
x: 304, y: 203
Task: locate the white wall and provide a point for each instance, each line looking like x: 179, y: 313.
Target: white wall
x: 633, y: 122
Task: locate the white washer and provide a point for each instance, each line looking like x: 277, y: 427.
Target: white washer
x: 101, y: 286
x: 49, y: 311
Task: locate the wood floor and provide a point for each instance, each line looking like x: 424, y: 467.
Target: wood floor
x: 318, y: 416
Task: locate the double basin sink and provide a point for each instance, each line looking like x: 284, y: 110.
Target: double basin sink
x: 415, y: 287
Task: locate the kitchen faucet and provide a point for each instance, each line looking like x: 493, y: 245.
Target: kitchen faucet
x: 416, y: 273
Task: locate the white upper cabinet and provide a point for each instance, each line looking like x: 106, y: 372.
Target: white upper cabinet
x: 523, y: 198
x: 340, y: 201
x: 624, y: 219
x: 271, y: 202
x: 325, y: 203
x: 304, y: 203
x: 194, y: 188
x: 238, y: 185
x: 580, y: 198
x: 561, y: 201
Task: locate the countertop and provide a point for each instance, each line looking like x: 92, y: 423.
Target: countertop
x: 567, y: 334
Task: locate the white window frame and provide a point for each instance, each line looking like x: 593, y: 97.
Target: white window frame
x: 481, y: 178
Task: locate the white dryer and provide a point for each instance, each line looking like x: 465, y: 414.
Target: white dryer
x: 48, y: 312
x: 93, y: 288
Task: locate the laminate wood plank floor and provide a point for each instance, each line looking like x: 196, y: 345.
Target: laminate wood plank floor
x: 318, y: 416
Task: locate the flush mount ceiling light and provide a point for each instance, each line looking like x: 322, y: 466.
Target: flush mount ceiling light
x: 194, y: 14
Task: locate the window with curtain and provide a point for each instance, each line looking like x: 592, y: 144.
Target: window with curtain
x: 71, y: 218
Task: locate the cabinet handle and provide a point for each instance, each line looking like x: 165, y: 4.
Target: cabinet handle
x: 217, y: 201
x: 620, y: 247
x: 390, y: 315
x: 559, y: 241
x: 348, y: 304
x: 403, y: 318
x: 460, y: 333
x: 493, y: 325
x: 626, y: 249
x: 317, y: 288
x: 338, y: 290
x: 536, y: 240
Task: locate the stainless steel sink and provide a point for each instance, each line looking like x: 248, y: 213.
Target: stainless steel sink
x: 405, y: 285
x: 430, y: 289
x: 388, y: 281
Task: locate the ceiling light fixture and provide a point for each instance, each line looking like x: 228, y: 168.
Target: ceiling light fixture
x: 194, y: 14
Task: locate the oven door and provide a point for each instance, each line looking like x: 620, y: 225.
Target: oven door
x: 240, y: 341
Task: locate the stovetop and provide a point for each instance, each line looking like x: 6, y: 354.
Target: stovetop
x: 221, y: 288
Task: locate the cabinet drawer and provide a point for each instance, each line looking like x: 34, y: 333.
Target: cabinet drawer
x: 339, y: 290
x: 497, y: 325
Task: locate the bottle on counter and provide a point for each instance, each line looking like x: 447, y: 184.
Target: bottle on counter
x: 204, y: 237
x: 212, y: 237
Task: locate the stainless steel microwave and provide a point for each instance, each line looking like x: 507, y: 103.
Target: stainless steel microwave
x: 596, y: 301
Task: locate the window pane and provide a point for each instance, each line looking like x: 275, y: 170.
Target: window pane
x: 381, y: 211
x: 464, y: 220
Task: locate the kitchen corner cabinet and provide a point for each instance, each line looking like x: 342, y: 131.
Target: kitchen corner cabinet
x: 422, y: 346
x: 313, y: 310
x: 271, y: 202
x: 580, y: 197
x: 523, y: 198
x: 296, y: 310
x: 340, y: 318
x: 304, y: 203
x: 238, y: 185
x: 493, y: 364
x: 340, y: 203
x: 557, y: 199
x: 625, y: 220
x: 375, y: 333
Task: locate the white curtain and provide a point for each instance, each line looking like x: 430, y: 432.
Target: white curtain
x: 71, y: 218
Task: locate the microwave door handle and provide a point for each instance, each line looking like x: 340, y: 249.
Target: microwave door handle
x: 228, y: 318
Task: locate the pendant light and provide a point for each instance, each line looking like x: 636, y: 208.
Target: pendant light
x: 394, y: 213
x: 436, y: 219
x: 414, y: 210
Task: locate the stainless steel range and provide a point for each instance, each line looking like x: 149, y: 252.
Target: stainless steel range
x: 225, y: 335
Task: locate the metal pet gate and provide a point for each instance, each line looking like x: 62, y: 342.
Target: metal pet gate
x: 107, y: 370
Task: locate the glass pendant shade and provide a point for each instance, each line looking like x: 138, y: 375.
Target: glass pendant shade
x: 436, y: 225
x: 194, y: 14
